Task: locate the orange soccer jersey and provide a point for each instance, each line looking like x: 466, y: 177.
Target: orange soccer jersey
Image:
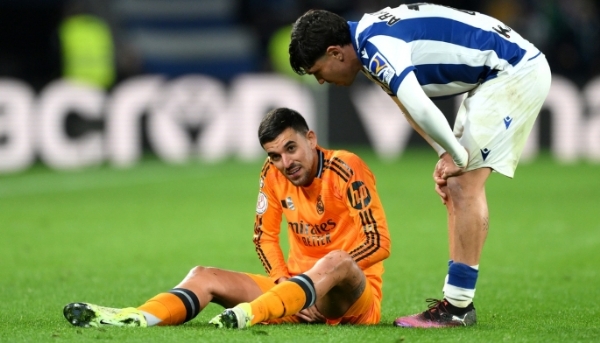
x: 340, y: 210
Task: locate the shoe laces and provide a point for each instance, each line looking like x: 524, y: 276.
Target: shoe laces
x: 436, y: 307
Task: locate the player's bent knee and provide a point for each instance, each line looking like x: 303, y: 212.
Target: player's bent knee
x: 199, y: 272
x: 337, y: 255
x: 339, y: 259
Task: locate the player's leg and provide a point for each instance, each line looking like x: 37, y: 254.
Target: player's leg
x: 493, y: 124
x: 459, y: 127
x: 450, y: 222
x: 201, y: 286
x: 470, y: 228
x: 333, y: 284
x: 467, y: 231
x: 339, y: 283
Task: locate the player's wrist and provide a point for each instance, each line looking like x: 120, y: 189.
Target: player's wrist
x: 461, y: 158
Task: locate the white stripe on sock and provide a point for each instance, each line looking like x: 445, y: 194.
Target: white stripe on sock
x: 459, y: 297
x: 151, y: 319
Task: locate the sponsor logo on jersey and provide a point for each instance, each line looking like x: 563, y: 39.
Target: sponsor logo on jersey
x: 383, y: 86
x: 358, y: 194
x: 380, y: 67
x: 507, y: 121
x: 320, y: 205
x: 313, y: 235
x: 262, y: 203
x: 303, y: 228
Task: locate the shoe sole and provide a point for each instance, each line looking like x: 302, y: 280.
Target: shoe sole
x: 81, y: 314
x: 416, y: 322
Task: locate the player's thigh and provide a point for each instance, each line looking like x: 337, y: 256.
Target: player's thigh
x: 496, y: 118
x: 366, y: 310
x: 469, y: 184
x: 340, y: 298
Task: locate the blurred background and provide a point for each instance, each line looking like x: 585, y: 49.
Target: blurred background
x: 90, y: 82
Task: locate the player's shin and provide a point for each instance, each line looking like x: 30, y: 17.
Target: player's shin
x: 175, y: 307
x: 287, y: 298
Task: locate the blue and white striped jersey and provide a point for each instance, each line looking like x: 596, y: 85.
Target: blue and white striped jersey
x: 451, y: 51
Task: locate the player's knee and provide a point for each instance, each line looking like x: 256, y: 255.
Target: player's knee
x: 198, y: 272
x: 463, y: 191
x: 454, y: 188
x: 339, y: 259
x: 459, y: 189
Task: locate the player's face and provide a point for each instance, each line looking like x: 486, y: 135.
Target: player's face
x: 334, y: 67
x: 294, y: 155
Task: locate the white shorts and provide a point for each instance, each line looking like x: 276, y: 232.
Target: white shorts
x: 495, y: 118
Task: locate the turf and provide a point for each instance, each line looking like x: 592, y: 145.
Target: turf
x: 118, y: 237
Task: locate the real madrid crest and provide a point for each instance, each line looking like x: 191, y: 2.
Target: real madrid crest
x: 320, y: 205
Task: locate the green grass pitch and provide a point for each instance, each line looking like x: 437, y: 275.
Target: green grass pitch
x: 118, y: 237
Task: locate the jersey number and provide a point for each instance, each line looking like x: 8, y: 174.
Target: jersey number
x: 503, y: 30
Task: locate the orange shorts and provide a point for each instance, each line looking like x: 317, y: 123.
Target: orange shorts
x: 366, y: 310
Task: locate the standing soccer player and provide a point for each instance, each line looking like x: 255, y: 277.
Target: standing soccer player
x: 416, y: 52
x: 338, y: 239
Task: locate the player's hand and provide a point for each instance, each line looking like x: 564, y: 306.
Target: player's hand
x: 440, y: 182
x: 447, y: 168
x: 311, y: 315
x: 444, y: 168
x: 281, y: 279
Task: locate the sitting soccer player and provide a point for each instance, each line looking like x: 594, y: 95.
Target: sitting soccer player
x: 338, y: 240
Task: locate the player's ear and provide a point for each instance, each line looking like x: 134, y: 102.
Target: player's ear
x: 311, y: 136
x: 335, y: 51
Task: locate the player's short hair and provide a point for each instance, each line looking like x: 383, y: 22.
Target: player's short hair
x: 277, y: 121
x: 312, y: 34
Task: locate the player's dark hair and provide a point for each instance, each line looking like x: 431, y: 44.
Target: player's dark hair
x: 312, y: 34
x: 277, y: 121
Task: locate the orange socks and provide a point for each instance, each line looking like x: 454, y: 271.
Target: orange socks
x: 285, y: 299
x: 177, y: 306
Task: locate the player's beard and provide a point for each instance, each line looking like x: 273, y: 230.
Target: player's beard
x: 300, y: 178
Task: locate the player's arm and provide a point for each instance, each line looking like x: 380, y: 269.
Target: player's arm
x: 417, y: 128
x: 427, y: 119
x: 364, y: 205
x: 391, y: 63
x: 267, y: 225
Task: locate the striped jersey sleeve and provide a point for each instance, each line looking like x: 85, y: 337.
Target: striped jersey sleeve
x: 449, y: 50
x: 364, y: 205
x: 267, y: 224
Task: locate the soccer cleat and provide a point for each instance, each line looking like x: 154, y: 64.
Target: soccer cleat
x: 86, y: 315
x: 238, y: 317
x: 441, y: 314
